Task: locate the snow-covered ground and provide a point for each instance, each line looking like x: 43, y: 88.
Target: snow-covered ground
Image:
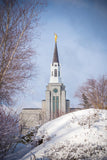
x: 77, y: 135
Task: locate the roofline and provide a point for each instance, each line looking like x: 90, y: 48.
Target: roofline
x: 32, y: 109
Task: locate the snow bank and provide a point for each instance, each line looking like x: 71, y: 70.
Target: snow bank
x: 77, y: 135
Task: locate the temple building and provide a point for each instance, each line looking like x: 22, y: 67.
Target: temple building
x: 56, y: 103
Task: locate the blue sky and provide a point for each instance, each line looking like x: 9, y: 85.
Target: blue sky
x: 81, y: 26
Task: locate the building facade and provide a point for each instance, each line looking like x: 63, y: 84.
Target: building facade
x: 55, y: 103
x: 30, y: 118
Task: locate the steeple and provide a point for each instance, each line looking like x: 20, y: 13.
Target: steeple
x: 55, y: 67
x: 55, y: 57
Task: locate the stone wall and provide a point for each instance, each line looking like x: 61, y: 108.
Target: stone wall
x: 67, y: 106
x: 30, y: 118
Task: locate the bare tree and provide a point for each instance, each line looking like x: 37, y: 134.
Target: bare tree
x: 93, y: 92
x: 18, y: 18
x: 9, y: 126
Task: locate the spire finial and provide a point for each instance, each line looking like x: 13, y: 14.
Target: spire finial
x: 55, y: 37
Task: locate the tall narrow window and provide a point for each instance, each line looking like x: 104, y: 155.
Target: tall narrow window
x: 53, y: 104
x: 57, y: 103
x: 59, y: 73
x: 55, y: 72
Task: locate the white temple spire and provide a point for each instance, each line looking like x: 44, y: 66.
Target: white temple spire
x: 55, y: 66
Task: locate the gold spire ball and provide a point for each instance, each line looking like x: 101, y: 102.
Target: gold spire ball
x: 55, y: 37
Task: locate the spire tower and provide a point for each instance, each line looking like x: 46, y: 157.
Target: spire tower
x: 55, y: 57
x: 55, y: 66
x: 56, y: 102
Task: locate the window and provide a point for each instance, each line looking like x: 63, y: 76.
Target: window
x: 55, y: 72
x: 53, y: 104
x: 57, y: 103
x: 59, y: 73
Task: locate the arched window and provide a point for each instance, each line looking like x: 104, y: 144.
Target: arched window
x: 55, y: 72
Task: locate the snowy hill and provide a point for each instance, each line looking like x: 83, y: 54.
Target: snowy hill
x: 77, y: 135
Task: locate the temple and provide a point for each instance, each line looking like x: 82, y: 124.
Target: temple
x: 56, y: 103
